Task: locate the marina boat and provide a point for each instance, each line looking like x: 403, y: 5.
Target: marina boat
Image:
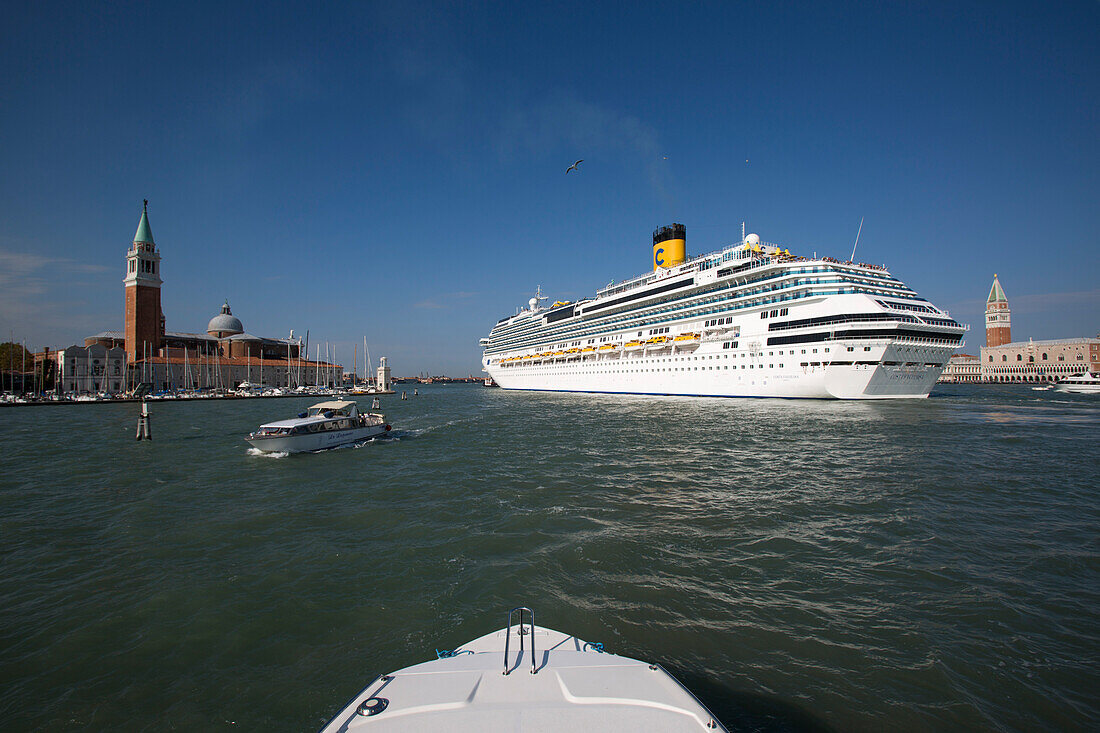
x: 1083, y: 383
x: 324, y: 425
x: 540, y: 680
x: 750, y: 320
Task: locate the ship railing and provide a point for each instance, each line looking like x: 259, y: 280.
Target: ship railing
x: 888, y: 340
x: 699, y: 262
x: 842, y: 320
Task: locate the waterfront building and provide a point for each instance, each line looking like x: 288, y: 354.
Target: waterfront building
x: 223, y: 357
x: 1040, y: 361
x: 94, y: 368
x: 186, y: 371
x: 962, y: 368
x: 998, y: 319
x: 1003, y: 360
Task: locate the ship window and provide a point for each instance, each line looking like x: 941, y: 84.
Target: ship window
x: 1031, y: 359
x: 1044, y: 357
x: 1019, y: 357
x: 1080, y: 357
x: 1061, y: 357
x: 1004, y: 357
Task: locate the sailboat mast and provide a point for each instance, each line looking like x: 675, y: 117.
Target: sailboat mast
x: 370, y: 365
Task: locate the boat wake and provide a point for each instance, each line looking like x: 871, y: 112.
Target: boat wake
x: 265, y: 454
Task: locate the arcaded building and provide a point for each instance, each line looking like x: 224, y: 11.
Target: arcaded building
x: 1003, y: 360
x: 962, y: 368
x: 1040, y: 361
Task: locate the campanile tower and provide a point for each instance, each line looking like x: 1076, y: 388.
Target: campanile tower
x: 998, y: 321
x: 144, y: 322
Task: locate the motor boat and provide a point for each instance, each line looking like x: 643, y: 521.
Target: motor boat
x: 1083, y: 383
x: 545, y: 680
x: 324, y: 425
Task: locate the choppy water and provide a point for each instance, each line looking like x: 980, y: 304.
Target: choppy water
x: 800, y: 565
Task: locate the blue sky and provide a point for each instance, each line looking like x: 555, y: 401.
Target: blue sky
x: 396, y: 170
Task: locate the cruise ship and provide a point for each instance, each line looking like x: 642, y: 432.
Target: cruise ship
x: 752, y: 320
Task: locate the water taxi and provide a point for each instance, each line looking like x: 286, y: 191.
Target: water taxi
x: 324, y: 425
x: 1083, y: 383
x: 544, y: 680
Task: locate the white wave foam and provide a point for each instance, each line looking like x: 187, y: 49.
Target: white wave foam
x: 265, y: 454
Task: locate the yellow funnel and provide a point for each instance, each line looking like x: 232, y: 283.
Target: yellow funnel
x: 669, y: 246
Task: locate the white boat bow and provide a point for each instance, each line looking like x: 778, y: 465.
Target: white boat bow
x: 526, y: 678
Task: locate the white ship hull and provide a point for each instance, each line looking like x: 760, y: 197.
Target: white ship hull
x: 716, y: 373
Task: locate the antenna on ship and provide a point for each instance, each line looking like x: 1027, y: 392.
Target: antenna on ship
x: 742, y: 232
x: 534, y: 302
x: 853, y: 257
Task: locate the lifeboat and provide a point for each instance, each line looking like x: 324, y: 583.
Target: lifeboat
x: 609, y: 347
x: 686, y: 338
x: 588, y: 349
x: 633, y: 345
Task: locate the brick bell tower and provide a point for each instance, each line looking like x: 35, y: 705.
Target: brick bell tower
x: 998, y: 320
x: 144, y: 320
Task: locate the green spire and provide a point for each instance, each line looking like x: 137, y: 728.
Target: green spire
x: 996, y: 293
x: 144, y: 233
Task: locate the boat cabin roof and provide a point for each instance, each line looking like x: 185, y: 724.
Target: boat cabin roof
x: 333, y: 406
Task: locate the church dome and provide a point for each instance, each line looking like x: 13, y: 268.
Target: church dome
x: 225, y: 323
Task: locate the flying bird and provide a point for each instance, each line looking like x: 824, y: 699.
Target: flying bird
x: 574, y: 167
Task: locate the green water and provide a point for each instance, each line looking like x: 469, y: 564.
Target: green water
x: 799, y: 564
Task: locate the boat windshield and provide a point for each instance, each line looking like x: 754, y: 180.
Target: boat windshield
x: 313, y: 411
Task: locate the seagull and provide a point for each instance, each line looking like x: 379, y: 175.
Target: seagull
x: 574, y: 167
